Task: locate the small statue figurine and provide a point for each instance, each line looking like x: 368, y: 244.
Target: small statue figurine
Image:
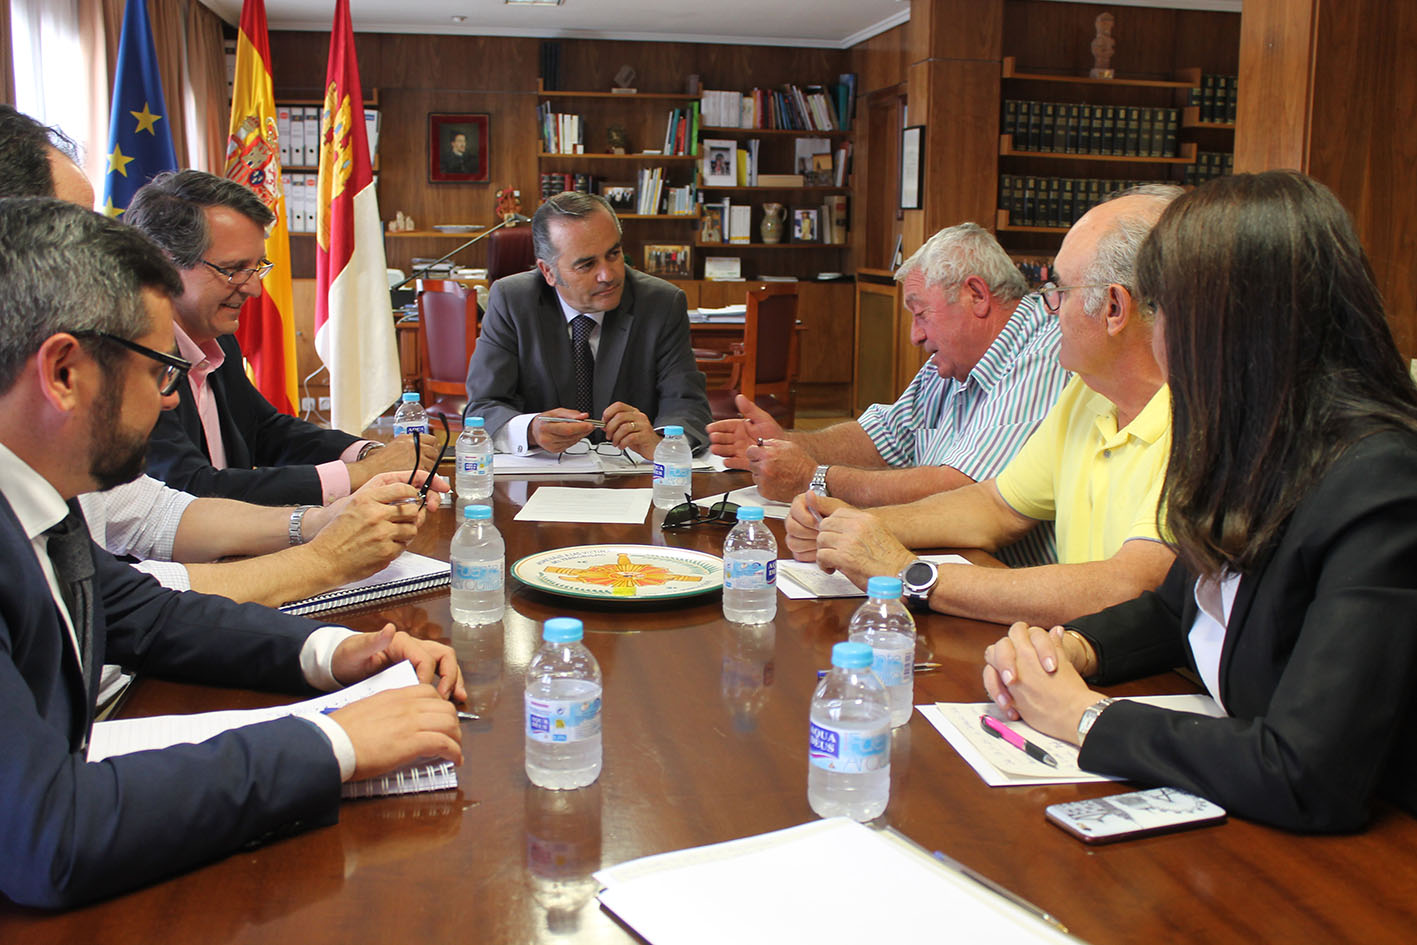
x: 1103, y: 45
x: 619, y: 141
x: 509, y: 205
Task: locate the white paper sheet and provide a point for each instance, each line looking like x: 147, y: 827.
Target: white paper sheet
x: 601, y: 506
x: 803, y: 580
x: 749, y: 495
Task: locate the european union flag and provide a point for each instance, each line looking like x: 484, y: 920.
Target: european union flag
x: 139, y: 140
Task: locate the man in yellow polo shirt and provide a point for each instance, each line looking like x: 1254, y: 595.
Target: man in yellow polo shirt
x: 1094, y: 466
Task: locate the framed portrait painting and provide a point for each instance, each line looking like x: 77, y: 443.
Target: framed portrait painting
x: 457, y: 148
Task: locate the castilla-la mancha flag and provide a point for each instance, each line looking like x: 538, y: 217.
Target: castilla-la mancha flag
x: 267, y: 332
x: 354, y: 323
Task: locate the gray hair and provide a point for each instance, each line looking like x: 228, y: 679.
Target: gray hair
x: 1115, y: 256
x: 569, y: 205
x: 24, y: 154
x: 66, y: 268
x: 171, y: 209
x: 958, y: 252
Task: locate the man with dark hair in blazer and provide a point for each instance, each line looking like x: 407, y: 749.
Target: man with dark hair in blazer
x: 224, y: 438
x: 85, y: 358
x: 582, y: 338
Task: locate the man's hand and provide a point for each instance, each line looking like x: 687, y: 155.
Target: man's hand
x: 630, y: 429
x: 803, y: 521
x: 370, y: 528
x: 731, y: 438
x: 363, y: 655
x: 393, y: 728
x: 398, y: 455
x: 318, y: 518
x: 558, y: 437
x: 857, y: 544
x: 781, y: 469
x: 1030, y: 676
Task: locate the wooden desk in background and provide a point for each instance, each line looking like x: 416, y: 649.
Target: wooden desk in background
x: 706, y: 740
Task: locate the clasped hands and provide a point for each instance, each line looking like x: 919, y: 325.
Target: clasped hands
x: 626, y: 428
x: 841, y: 538
x: 1037, y: 675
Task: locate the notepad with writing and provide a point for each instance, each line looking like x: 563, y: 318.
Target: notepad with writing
x: 125, y: 736
x: 409, y: 573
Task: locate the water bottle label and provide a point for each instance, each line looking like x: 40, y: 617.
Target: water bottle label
x: 478, y: 576
x: 477, y: 465
x: 748, y: 575
x: 671, y: 475
x: 894, y: 667
x: 403, y: 429
x: 557, y: 721
x: 850, y: 752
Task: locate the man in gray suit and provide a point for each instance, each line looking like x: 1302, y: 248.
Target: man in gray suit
x: 581, y: 338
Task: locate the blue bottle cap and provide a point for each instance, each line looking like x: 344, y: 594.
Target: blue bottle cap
x: 476, y: 512
x: 852, y: 656
x: 569, y: 630
x: 885, y: 587
x: 473, y: 422
x: 673, y: 431
x: 410, y: 397
x: 750, y: 513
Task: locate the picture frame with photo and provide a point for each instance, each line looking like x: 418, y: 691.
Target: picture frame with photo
x: 821, y: 174
x: 619, y: 194
x: 669, y: 260
x: 458, y: 148
x: 711, y: 226
x: 720, y: 162
x: 806, y: 226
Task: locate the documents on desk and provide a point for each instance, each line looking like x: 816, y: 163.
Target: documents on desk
x: 749, y: 495
x: 828, y: 881
x: 1001, y: 765
x: 803, y: 580
x: 589, y: 505
x: 124, y: 736
x: 539, y: 463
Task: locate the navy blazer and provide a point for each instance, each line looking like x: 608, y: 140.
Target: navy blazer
x: 71, y: 831
x: 522, y: 362
x: 1318, y: 669
x: 271, y: 456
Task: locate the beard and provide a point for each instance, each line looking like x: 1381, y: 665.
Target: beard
x: 118, y: 456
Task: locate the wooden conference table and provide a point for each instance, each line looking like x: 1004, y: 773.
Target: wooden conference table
x: 705, y: 740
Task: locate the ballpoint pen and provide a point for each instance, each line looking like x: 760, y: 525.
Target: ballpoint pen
x: 599, y: 424
x: 919, y: 668
x: 1000, y: 730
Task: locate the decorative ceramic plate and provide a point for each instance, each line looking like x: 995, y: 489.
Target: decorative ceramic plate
x: 621, y: 572
x: 459, y: 227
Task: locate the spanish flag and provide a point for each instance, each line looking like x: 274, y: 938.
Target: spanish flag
x: 354, y: 322
x: 267, y: 332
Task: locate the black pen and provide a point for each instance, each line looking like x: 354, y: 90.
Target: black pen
x: 1000, y: 730
x: 919, y: 668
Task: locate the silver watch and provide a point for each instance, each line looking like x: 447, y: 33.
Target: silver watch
x: 297, y: 525
x: 917, y: 580
x: 819, y: 481
x: 1089, y: 717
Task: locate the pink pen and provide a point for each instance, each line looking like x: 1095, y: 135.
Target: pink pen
x: 1000, y: 730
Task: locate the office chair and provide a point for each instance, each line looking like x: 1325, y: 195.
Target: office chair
x: 447, y: 335
x: 765, y: 363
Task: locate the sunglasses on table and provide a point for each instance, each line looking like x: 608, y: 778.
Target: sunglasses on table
x: 427, y: 483
x: 687, y: 514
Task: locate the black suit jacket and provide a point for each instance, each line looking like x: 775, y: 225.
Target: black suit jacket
x: 71, y: 831
x: 271, y: 456
x: 1318, y: 667
x: 522, y: 363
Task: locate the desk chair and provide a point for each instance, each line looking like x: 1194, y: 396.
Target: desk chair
x: 447, y: 335
x: 765, y: 363
x: 509, y: 252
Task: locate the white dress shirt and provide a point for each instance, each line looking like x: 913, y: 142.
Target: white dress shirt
x: 139, y: 519
x: 1215, y: 601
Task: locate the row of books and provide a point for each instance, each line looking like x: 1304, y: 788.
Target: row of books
x: 555, y: 182
x: 653, y: 197
x: 1216, y: 98
x: 1054, y: 201
x: 561, y: 132
x: 791, y: 108
x: 298, y: 127
x: 1210, y: 164
x: 728, y: 222
x: 1071, y: 128
x: 681, y: 133
x: 727, y: 163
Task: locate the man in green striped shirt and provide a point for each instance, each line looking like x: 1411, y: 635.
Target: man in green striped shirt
x: 992, y: 375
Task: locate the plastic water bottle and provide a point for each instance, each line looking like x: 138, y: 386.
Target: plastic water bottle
x: 479, y: 562
x: 410, y: 416
x: 673, y: 469
x: 474, y: 449
x: 884, y: 624
x: 749, y: 569
x: 562, y: 709
x: 849, y: 755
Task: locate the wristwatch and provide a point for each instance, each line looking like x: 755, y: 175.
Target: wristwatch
x: 297, y: 525
x: 1089, y: 716
x: 819, y: 481
x: 917, y: 580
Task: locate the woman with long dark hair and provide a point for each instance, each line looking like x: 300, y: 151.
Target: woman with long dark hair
x: 1291, y: 499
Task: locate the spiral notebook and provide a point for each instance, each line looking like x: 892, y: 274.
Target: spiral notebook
x: 409, y: 573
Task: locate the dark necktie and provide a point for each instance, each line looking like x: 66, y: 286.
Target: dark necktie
x: 70, y: 553
x: 582, y: 361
